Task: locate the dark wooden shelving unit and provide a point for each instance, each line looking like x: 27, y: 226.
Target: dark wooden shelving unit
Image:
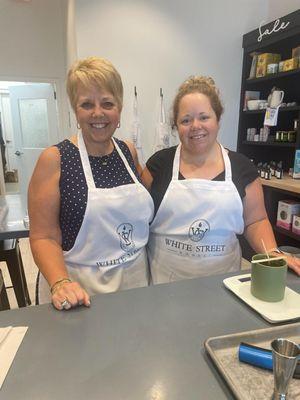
x: 277, y: 76
x: 279, y: 41
x: 281, y: 109
x: 286, y: 232
x: 276, y: 144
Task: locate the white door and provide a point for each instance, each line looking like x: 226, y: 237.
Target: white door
x: 35, y: 126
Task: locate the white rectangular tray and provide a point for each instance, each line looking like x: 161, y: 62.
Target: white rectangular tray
x: 286, y: 310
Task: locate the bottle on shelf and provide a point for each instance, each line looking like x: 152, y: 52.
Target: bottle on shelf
x: 264, y: 170
x: 279, y: 170
x: 259, y: 167
x: 268, y: 173
x: 272, y: 167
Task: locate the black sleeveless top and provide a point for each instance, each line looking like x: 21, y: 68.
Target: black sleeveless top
x: 108, y: 171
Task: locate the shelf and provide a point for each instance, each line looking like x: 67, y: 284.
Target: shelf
x: 286, y: 183
x: 277, y: 42
x: 279, y: 75
x: 273, y: 144
x: 286, y: 232
x: 281, y: 109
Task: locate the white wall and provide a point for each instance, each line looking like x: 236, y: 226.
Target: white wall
x: 33, y: 45
x: 279, y: 8
x: 159, y: 43
x: 154, y: 43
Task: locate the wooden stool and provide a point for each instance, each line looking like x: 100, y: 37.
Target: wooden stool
x: 4, y: 303
x: 10, y: 253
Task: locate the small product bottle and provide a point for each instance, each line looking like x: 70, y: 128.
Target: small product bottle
x: 248, y: 134
x: 272, y: 167
x: 284, y: 136
x: 263, y: 170
x: 279, y: 170
x: 259, y: 167
x: 291, y: 136
x: 268, y: 173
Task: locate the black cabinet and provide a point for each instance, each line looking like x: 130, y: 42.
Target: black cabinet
x: 281, y: 41
x: 279, y: 37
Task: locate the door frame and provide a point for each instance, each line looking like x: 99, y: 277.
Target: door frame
x: 2, y: 181
x: 63, y: 110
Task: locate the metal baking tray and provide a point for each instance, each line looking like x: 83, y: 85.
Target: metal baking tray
x: 246, y: 381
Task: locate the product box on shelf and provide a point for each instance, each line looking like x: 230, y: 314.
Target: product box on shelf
x: 263, y: 61
x: 250, y: 95
x: 296, y: 224
x: 296, y: 170
x: 280, y: 66
x: 285, y: 212
x: 296, y: 51
x: 291, y: 63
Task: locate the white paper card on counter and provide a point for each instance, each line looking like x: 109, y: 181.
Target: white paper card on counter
x: 10, y: 340
x: 271, y: 116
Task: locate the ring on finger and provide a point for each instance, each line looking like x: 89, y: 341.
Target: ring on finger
x: 65, y: 304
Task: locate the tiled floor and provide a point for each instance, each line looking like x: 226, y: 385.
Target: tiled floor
x: 30, y: 272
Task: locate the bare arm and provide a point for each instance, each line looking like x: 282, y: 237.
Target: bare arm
x: 258, y: 227
x: 147, y: 178
x: 45, y: 234
x: 144, y: 173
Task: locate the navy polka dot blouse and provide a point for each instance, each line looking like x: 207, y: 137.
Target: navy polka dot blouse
x: 108, y: 171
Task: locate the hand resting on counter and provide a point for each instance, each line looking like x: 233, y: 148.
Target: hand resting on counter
x: 69, y: 295
x: 294, y: 264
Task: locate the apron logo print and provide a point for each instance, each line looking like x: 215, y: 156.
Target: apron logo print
x: 125, y: 235
x: 198, y: 230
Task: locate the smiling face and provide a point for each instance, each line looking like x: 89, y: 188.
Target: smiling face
x: 197, y: 123
x: 98, y: 115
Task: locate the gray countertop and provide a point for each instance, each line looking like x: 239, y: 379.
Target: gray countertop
x: 144, y: 343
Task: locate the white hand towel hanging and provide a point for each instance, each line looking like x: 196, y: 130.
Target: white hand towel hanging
x: 136, y: 132
x: 163, y: 131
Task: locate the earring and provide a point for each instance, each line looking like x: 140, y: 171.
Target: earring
x: 78, y: 126
x: 119, y: 124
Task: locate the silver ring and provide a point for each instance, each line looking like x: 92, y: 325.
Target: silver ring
x: 65, y: 303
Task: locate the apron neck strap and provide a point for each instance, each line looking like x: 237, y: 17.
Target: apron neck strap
x: 124, y: 159
x: 227, y: 164
x: 176, y: 163
x: 85, y: 162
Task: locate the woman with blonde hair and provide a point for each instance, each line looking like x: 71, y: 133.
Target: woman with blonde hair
x: 204, y: 195
x: 89, y: 212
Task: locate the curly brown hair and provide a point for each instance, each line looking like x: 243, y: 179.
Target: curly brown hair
x: 198, y: 84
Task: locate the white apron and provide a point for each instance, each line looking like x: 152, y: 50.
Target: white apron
x: 194, y: 231
x: 109, y: 252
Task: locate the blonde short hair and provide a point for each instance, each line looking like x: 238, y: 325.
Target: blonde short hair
x: 198, y: 84
x: 94, y: 71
